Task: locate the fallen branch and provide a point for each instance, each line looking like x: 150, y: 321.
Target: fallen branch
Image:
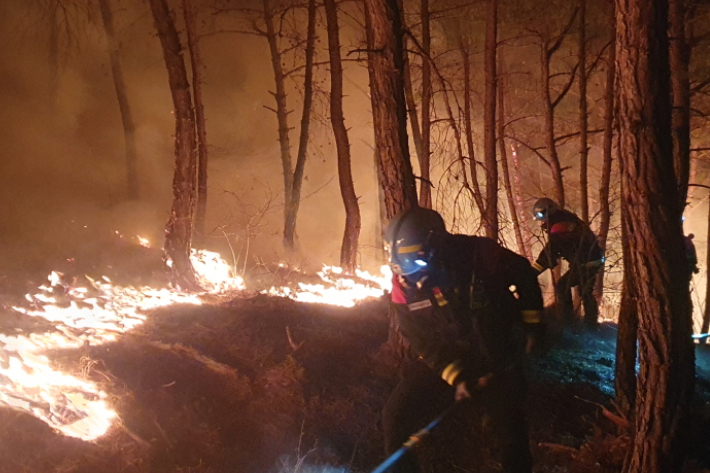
x: 294, y: 345
x: 559, y: 448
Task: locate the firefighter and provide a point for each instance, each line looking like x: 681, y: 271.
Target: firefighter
x: 568, y: 237
x: 469, y: 310
x: 691, y: 257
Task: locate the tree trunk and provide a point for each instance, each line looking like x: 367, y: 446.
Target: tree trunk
x: 607, y: 145
x: 519, y: 203
x: 53, y: 59
x: 412, y: 110
x: 626, y: 346
x: 425, y: 199
x: 651, y: 215
x: 680, y: 86
x: 504, y: 160
x: 281, y: 111
x: 200, y: 125
x: 583, y: 146
x: 129, y: 129
x: 385, y: 65
x: 178, y: 231
x: 348, y: 250
x: 489, y: 119
x: 294, y: 201
x: 468, y: 129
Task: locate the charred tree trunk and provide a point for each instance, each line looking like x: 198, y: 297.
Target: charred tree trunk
x: 425, y: 199
x: 583, y: 118
x: 348, y: 250
x: 519, y: 203
x: 489, y: 119
x: 281, y: 110
x: 385, y: 65
x: 607, y: 146
x: 178, y: 231
x: 200, y: 124
x: 680, y: 86
x: 651, y: 215
x: 293, y: 203
x: 504, y: 161
x: 129, y: 129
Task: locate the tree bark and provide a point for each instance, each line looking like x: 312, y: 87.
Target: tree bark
x: 626, y: 344
x: 200, y: 123
x: 385, y: 66
x: 282, y: 111
x: 583, y: 118
x: 680, y: 86
x: 294, y: 201
x: 489, y: 119
x: 129, y: 129
x: 348, y: 250
x: 178, y: 231
x: 651, y: 216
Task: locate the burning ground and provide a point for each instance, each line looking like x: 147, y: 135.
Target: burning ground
x: 243, y: 380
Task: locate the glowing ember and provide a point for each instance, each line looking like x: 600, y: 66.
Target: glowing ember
x: 143, y: 241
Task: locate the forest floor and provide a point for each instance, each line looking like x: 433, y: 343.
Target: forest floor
x: 255, y: 384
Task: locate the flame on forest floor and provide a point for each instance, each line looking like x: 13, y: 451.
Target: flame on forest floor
x: 101, y: 312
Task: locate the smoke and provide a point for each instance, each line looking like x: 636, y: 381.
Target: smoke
x: 62, y: 163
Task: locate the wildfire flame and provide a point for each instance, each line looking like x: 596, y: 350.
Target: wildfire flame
x: 102, y: 312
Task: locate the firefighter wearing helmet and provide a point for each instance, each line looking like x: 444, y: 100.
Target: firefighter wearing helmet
x: 569, y: 238
x: 467, y: 306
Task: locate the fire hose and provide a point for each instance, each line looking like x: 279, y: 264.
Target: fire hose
x: 415, y: 439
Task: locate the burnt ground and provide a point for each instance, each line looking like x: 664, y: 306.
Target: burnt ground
x: 256, y: 384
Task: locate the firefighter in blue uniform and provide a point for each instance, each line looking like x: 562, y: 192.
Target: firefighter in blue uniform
x: 469, y: 309
x: 570, y: 238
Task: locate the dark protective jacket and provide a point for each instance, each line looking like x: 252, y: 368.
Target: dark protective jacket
x: 470, y: 315
x: 569, y: 238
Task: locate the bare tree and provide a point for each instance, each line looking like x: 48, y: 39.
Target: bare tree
x: 489, y: 119
x: 583, y: 117
x: 547, y: 49
x: 294, y: 200
x: 651, y: 216
x: 348, y: 250
x: 129, y: 129
x: 504, y: 161
x: 197, y: 67
x: 178, y: 231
